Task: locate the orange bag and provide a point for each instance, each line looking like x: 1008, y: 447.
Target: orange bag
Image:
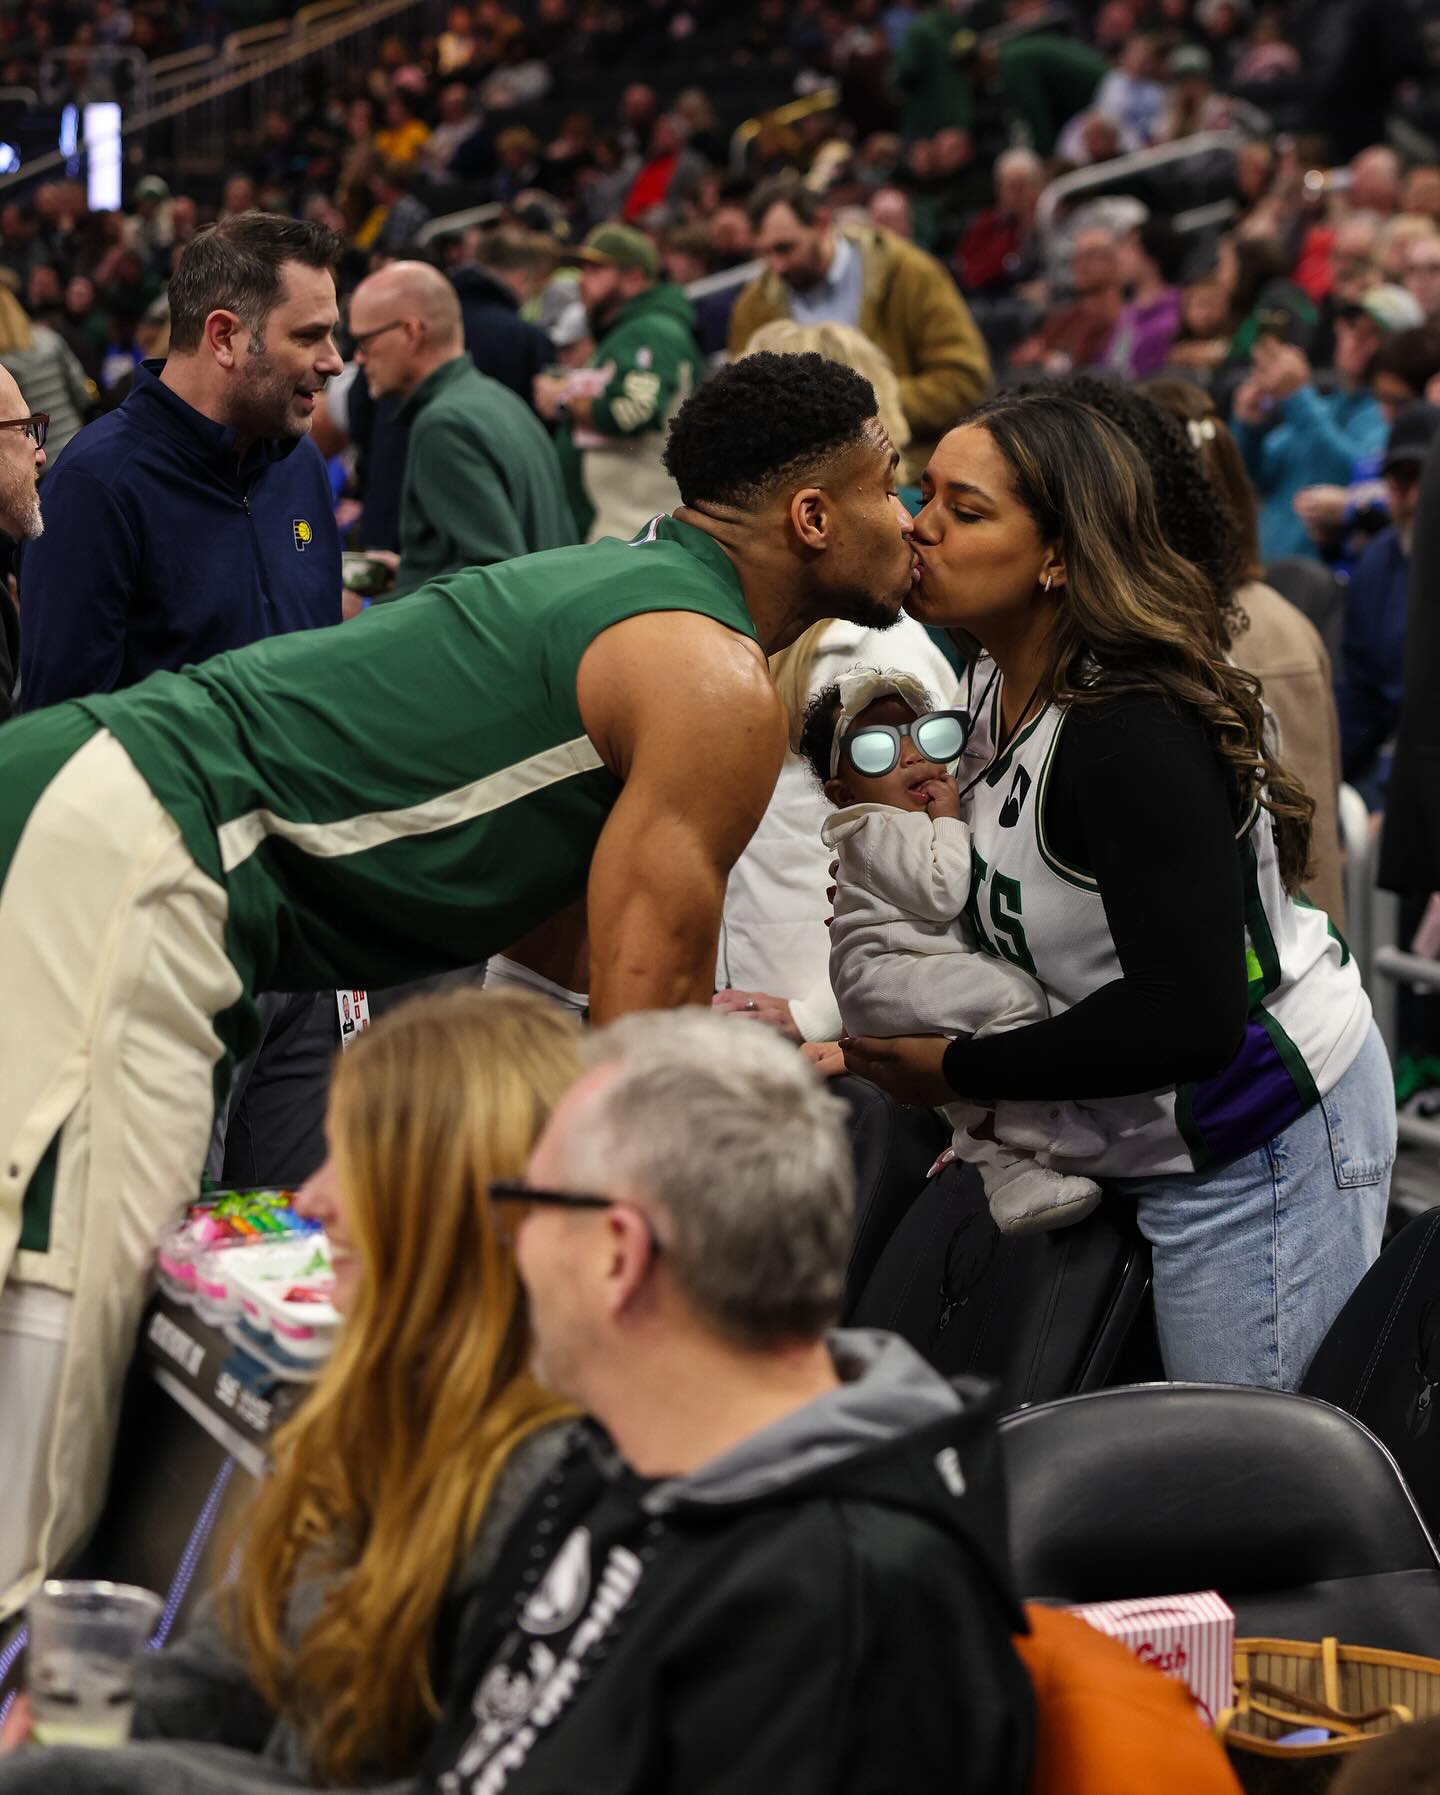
x: 1105, y: 1724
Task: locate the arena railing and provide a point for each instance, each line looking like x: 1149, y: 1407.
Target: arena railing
x: 1108, y: 178
x: 201, y: 117
x: 824, y: 99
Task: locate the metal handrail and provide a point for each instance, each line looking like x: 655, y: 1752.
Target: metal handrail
x: 458, y: 221
x: 26, y: 95
x: 310, y: 16
x: 1139, y: 162
x: 180, y: 62
x: 109, y: 54
x: 824, y: 99
x: 253, y: 39
x: 236, y: 77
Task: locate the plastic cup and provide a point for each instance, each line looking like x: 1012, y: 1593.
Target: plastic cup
x: 85, y: 1639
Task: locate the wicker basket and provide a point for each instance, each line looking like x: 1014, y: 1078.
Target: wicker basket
x: 1355, y: 1692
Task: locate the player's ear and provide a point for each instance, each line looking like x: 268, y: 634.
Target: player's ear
x: 810, y: 516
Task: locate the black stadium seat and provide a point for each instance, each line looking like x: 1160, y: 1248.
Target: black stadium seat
x: 1292, y: 1510
x: 1043, y: 1314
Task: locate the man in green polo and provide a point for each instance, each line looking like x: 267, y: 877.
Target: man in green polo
x: 482, y: 481
x: 401, y: 796
x: 615, y: 411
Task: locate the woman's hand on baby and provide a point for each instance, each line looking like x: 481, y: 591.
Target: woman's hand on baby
x: 942, y: 798
x: 759, y: 1006
x: 909, y: 1067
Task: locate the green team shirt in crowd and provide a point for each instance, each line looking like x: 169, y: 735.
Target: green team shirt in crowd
x: 414, y: 790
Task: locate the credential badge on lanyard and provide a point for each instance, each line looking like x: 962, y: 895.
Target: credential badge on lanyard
x: 353, y: 1009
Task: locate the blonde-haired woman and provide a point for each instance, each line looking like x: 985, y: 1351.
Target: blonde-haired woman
x: 426, y: 1434
x: 46, y: 371
x: 774, y: 947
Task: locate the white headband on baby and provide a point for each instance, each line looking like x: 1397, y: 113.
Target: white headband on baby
x: 861, y: 686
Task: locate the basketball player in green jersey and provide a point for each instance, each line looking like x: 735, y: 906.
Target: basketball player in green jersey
x: 370, y: 804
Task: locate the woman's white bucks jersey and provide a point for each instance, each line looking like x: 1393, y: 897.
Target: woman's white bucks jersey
x: 1308, y: 1011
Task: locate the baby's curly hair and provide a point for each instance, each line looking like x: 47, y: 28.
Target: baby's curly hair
x: 817, y: 732
x: 763, y: 421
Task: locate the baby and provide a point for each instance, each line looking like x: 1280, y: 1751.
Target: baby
x: 900, y: 960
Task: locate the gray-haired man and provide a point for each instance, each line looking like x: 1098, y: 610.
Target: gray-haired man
x: 778, y: 1560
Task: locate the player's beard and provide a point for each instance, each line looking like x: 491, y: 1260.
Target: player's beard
x: 20, y: 505
x: 868, y: 612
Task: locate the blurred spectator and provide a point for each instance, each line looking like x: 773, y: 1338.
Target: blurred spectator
x: 901, y: 298
x: 1375, y: 181
x: 1293, y: 436
x: 403, y: 134
x: 1093, y: 137
x: 666, y: 177
x: 1203, y: 339
x: 481, y: 483
x: 890, y: 209
x: 501, y: 343
x: 1130, y: 94
x: 1421, y: 194
x: 459, y: 122
x: 22, y: 460
x: 998, y: 252
x: 615, y: 413
x: 1397, y: 238
x: 1044, y: 80
x: 396, y: 216
x: 519, y: 80
x: 1268, y: 56
x: 1151, y: 261
x: 1422, y: 275
x: 46, y: 371
x: 82, y: 326
x: 456, y: 45
x: 518, y: 151
x: 238, y: 196
x: 1369, y: 678
x: 151, y: 231
x: 1194, y: 104
x: 1079, y: 334
x: 1274, y: 640
x: 639, y: 109
x: 686, y: 257
x: 1252, y: 271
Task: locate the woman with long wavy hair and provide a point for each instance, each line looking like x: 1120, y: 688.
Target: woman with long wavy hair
x: 1138, y: 850
x: 426, y: 1433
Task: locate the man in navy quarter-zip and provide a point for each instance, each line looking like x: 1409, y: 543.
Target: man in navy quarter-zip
x: 197, y: 517
x: 194, y: 519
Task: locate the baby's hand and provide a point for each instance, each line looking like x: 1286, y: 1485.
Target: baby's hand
x: 942, y: 797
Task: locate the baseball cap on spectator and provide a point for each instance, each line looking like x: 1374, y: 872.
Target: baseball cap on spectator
x: 152, y: 187
x: 1410, y: 436
x: 1390, y: 308
x: 621, y: 246
x: 1190, y: 60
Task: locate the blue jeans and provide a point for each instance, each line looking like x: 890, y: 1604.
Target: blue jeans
x: 1254, y: 1261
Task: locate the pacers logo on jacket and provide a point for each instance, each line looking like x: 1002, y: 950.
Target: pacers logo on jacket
x: 303, y: 534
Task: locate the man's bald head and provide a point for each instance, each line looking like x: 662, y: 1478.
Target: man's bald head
x: 405, y: 321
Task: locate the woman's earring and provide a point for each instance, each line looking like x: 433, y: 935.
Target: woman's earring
x: 1048, y: 578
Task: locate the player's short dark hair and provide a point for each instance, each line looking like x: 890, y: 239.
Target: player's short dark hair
x: 765, y: 420
x: 817, y: 731
x: 786, y: 190
x: 235, y: 266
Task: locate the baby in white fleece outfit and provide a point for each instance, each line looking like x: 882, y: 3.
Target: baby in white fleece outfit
x: 900, y: 962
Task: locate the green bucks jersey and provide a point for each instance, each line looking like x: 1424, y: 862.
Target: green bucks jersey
x: 413, y: 790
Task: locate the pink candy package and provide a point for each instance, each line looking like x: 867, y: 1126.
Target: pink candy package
x: 1191, y: 1638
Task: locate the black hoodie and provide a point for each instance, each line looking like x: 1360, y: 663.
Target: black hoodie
x: 825, y: 1610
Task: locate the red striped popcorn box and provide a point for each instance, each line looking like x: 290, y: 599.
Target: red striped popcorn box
x: 1189, y: 1637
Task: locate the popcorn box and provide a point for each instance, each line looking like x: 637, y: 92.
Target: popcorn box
x: 1191, y: 1638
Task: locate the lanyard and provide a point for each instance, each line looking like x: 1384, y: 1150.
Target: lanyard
x: 1006, y: 740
